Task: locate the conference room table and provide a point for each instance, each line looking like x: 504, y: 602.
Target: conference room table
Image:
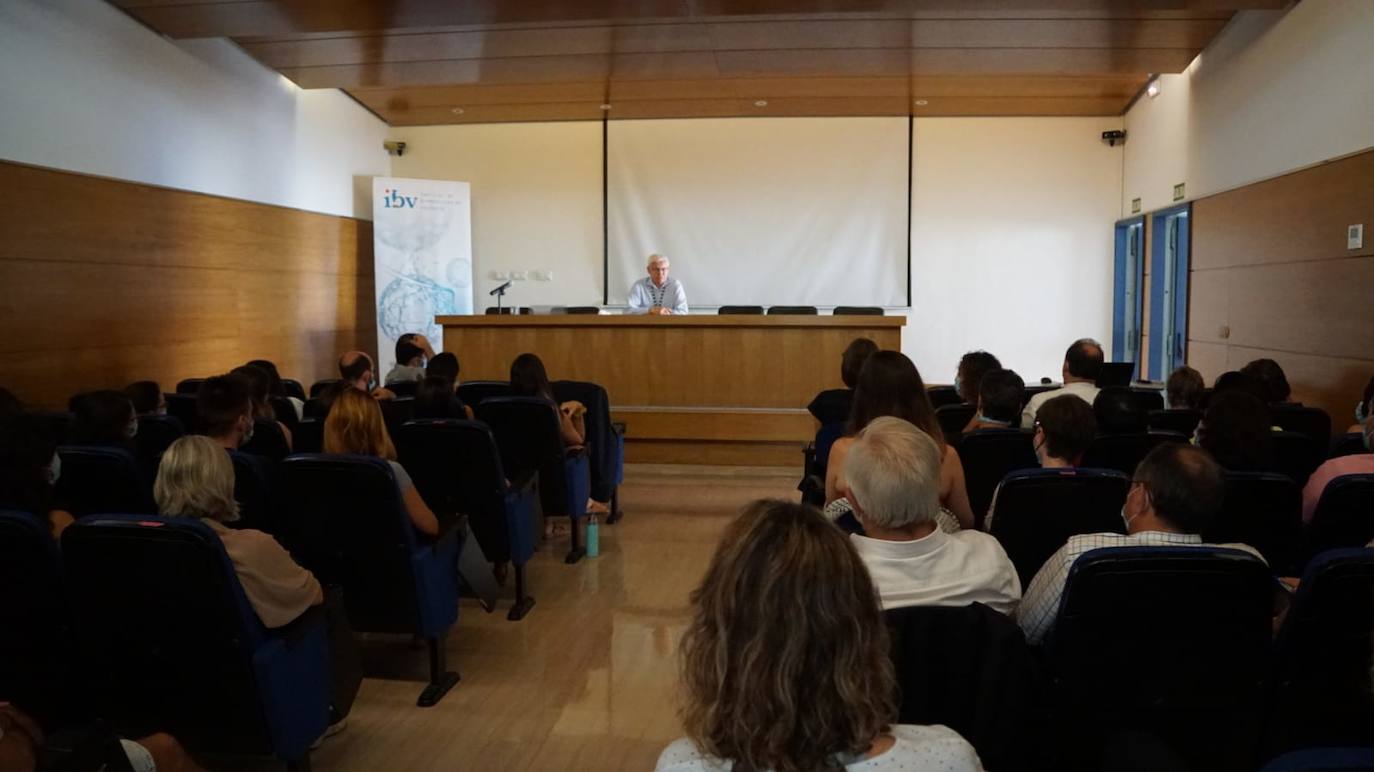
x: 694, y: 389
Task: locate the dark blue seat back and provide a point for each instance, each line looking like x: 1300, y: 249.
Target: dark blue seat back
x: 1320, y: 686
x: 60, y: 425
x: 293, y: 388
x: 403, y: 388
x: 953, y: 418
x: 1347, y: 445
x: 37, y: 646
x: 824, y: 441
x: 457, y: 469
x: 283, y: 410
x: 527, y: 433
x: 342, y: 517
x: 943, y: 395
x: 319, y: 387
x: 1171, y: 639
x: 1297, y: 455
x: 1039, y: 509
x: 1124, y: 452
x: 183, y: 407
x: 176, y: 646
x: 473, y: 392
x: 1149, y: 399
x: 1323, y: 760
x: 1263, y: 510
x: 308, y: 436
x: 253, y: 492
x: 1311, y: 421
x: 268, y: 442
x: 189, y: 386
x: 396, y: 412
x: 1344, y: 516
x: 602, y: 446
x: 1181, y: 420
x: 156, y: 433
x: 987, y: 456
x: 96, y: 480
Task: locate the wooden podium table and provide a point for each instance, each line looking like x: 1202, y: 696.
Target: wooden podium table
x: 691, y: 389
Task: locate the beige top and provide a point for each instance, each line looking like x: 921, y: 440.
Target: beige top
x: 277, y: 587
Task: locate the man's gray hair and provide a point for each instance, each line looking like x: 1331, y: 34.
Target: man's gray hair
x: 893, y: 471
x: 656, y: 258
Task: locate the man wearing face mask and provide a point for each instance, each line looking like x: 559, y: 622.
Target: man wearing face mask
x: 412, y: 352
x: 225, y: 408
x: 355, y: 368
x: 1355, y: 463
x: 1064, y: 428
x: 1176, y: 493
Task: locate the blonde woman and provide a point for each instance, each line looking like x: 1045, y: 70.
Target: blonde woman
x: 355, y: 426
x: 196, y: 479
x: 785, y: 664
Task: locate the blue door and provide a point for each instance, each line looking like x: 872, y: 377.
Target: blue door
x: 1169, y: 290
x: 1127, y: 291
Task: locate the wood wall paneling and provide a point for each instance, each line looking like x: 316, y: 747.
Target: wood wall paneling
x: 103, y: 282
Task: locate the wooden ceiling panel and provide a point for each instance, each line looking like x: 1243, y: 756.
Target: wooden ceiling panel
x: 443, y: 61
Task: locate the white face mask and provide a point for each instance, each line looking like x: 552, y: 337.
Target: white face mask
x: 247, y: 434
x: 55, y: 469
x: 131, y: 431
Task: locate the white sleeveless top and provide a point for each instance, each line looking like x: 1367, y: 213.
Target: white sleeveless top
x: 917, y: 749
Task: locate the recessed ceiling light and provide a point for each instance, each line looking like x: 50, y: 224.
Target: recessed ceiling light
x: 605, y: 106
x: 1152, y: 90
x: 922, y: 102
x: 760, y: 102
x: 457, y: 111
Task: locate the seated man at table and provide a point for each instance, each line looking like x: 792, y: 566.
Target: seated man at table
x: 656, y: 293
x: 1082, y: 365
x: 1176, y: 492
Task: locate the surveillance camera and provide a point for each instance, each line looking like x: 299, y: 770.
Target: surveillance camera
x: 395, y: 148
x: 1113, y: 137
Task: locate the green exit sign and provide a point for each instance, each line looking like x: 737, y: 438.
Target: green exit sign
x: 1178, y: 192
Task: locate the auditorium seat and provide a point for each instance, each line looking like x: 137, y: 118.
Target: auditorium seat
x: 316, y: 408
x: 456, y: 467
x: 473, y: 392
x: 156, y: 433
x: 319, y: 387
x: 38, y: 662
x: 100, y: 480
x: 792, y: 311
x: 605, y: 442
x: 1319, y: 687
x: 987, y: 456
x: 1312, y: 421
x: 747, y: 310
x: 858, y: 311
x: 1297, y: 454
x: 268, y: 441
x: 342, y: 518
x: 396, y: 412
x: 1171, y: 640
x: 969, y: 668
x: 1263, y: 510
x: 584, y: 310
x: 189, y: 386
x: 1149, y: 399
x: 1323, y: 760
x: 1123, y: 452
x: 815, y: 459
x: 403, y: 388
x: 293, y: 388
x: 162, y: 618
x: 284, y: 411
x: 953, y: 419
x: 1031, y: 390
x: 253, y: 492
x: 308, y: 436
x: 527, y: 434
x: 59, y: 424
x: 183, y: 407
x: 1035, y: 511
x: 943, y: 395
x: 1347, y: 445
x: 1344, y: 516
x: 1183, y: 421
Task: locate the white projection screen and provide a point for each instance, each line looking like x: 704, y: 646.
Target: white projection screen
x: 761, y: 211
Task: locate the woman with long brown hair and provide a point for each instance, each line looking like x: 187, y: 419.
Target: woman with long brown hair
x: 355, y: 426
x: 890, y: 385
x: 785, y: 664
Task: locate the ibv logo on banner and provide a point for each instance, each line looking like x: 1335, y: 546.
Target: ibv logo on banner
x: 422, y: 233
x: 394, y: 200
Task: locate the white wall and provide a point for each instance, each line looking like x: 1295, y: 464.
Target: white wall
x: 1011, y: 240
x: 536, y: 202
x: 87, y: 89
x: 1274, y: 92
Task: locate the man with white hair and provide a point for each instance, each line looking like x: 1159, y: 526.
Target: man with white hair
x: 893, y: 470
x: 656, y: 293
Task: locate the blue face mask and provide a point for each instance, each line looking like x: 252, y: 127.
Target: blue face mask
x: 1360, y: 412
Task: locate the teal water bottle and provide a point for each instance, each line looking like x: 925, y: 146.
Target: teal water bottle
x: 593, y: 537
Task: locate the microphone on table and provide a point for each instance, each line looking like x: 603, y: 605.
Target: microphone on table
x: 501, y: 288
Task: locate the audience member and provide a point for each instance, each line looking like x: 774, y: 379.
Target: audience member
x: 1082, y: 365
x: 528, y: 379
x: 275, y: 386
x: 104, y: 417
x: 259, y: 382
x: 1064, y: 428
x: 972, y: 367
x: 147, y: 398
x: 29, y: 470
x: 999, y: 401
x: 434, y: 398
x: 1236, y: 431
x: 1363, y: 409
x: 893, y: 470
x: 1119, y: 411
x: 444, y: 365
x: 355, y: 426
x: 22, y: 739
x: 225, y: 408
x: 412, y: 351
x: 1184, y: 389
x: 355, y: 368
x: 833, y: 405
x: 1176, y: 492
x: 785, y: 663
x: 1355, y: 463
x: 890, y: 385
x: 1272, y: 382
x: 10, y: 405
